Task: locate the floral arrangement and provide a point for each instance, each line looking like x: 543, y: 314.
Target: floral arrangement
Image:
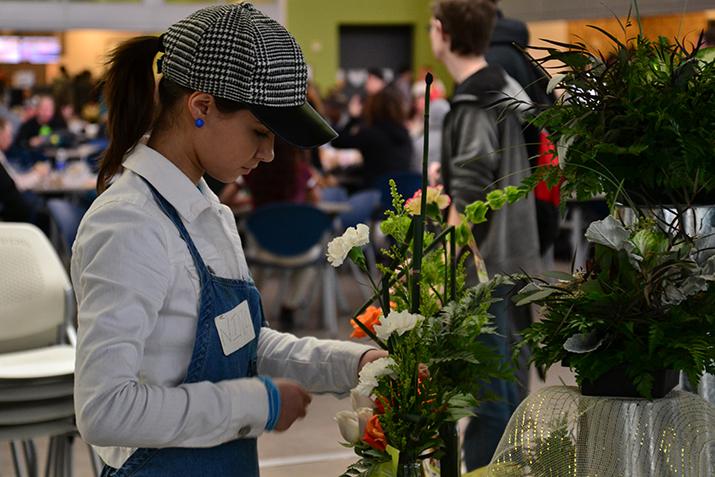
x: 634, y: 123
x: 632, y: 126
x: 643, y: 302
x: 405, y: 405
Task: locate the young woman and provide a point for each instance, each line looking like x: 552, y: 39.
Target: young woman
x: 175, y: 366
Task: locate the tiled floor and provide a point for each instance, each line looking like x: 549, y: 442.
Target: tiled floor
x: 311, y: 447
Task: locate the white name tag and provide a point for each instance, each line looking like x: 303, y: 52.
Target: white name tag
x: 235, y: 328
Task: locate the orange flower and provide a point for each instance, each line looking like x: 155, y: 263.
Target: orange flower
x: 369, y: 318
x: 374, y: 435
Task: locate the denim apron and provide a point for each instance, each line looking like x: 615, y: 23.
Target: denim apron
x: 237, y: 458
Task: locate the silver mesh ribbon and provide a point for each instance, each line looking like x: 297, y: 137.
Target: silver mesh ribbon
x: 557, y: 432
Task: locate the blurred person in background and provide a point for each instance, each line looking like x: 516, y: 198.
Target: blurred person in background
x: 288, y: 178
x: 379, y: 133
x: 375, y: 81
x: 35, y: 132
x: 509, y: 39
x: 439, y: 107
x: 23, y: 181
x: 16, y: 205
x: 482, y: 150
x: 5, y: 111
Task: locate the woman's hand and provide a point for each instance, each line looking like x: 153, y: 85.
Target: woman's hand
x: 371, y: 356
x: 294, y: 402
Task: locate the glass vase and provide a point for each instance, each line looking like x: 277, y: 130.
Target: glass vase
x: 411, y: 468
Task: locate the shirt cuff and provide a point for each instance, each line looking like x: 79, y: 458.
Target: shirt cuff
x: 249, y: 407
x: 274, y: 402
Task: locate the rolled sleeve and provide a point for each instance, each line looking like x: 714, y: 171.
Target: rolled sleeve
x: 321, y: 366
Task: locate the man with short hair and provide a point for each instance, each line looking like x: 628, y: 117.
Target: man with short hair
x: 35, y: 131
x: 482, y: 150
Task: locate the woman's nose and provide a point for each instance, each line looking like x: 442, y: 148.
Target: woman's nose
x: 265, y: 152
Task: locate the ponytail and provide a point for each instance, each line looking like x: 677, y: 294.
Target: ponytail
x: 129, y: 94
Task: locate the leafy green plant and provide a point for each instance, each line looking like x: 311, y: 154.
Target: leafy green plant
x: 643, y: 301
x: 634, y: 123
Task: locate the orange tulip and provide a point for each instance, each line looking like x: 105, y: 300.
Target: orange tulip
x: 369, y: 318
x: 374, y: 435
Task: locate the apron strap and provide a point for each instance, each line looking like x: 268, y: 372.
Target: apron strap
x: 173, y: 215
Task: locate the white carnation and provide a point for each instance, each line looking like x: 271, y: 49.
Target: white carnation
x: 397, y: 322
x: 339, y: 247
x: 337, y: 252
x: 371, y: 372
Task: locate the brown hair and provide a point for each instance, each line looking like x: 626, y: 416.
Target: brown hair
x: 469, y: 24
x: 129, y: 92
x: 3, y: 123
x: 385, y: 106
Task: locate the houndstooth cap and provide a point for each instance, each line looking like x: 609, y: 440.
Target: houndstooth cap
x: 235, y: 52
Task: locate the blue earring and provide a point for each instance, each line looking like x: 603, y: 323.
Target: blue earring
x: 199, y: 123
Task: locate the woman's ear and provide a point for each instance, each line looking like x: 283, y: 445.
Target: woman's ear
x: 200, y: 104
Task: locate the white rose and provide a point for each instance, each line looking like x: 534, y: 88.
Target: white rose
x: 371, y: 372
x: 339, y: 247
x: 396, y: 322
x: 348, y: 425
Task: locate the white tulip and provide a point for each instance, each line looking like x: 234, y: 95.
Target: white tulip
x: 348, y: 425
x: 359, y: 401
x: 397, y: 322
x: 363, y: 414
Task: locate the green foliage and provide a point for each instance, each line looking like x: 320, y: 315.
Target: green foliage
x: 643, y: 302
x: 637, y: 124
x: 415, y: 400
x: 456, y: 356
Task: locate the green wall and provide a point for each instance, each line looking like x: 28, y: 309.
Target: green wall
x: 315, y: 24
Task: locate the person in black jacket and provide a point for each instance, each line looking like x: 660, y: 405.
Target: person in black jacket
x: 483, y: 149
x: 16, y: 206
x: 13, y: 207
x: 381, y: 137
x: 509, y: 38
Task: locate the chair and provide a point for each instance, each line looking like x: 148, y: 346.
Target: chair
x: 407, y: 184
x: 289, y: 237
x: 66, y: 217
x: 362, y: 207
x: 334, y: 194
x: 37, y: 340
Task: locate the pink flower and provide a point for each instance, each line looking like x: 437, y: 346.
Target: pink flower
x: 434, y: 196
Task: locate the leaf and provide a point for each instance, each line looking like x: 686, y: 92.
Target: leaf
x: 608, y: 232
x: 554, y: 82
x: 535, y: 297
x: 514, y: 194
x: 496, y: 199
x: 583, y: 343
x: 561, y: 276
x: 575, y: 59
x: 395, y: 454
x: 476, y: 212
x: 609, y: 35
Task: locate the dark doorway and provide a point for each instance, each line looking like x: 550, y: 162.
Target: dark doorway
x: 388, y: 48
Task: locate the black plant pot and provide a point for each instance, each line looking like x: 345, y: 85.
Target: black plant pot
x: 615, y: 383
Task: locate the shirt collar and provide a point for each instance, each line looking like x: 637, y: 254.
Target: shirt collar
x: 188, y: 200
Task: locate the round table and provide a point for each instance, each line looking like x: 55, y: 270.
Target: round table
x: 559, y: 432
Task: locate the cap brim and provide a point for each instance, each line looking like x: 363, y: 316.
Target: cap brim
x: 301, y: 126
